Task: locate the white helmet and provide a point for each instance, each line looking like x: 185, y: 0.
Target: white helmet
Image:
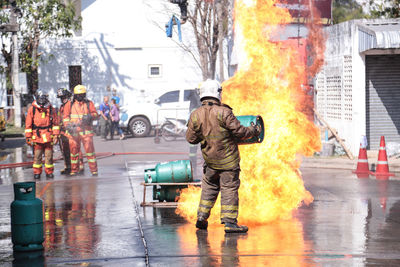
x: 210, y: 88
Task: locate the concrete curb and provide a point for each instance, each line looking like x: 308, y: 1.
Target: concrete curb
x: 345, y: 164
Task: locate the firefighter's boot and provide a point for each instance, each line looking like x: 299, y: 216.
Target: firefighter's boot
x: 201, y: 224
x: 66, y: 171
x: 234, y: 228
x: 49, y: 175
x: 36, y: 176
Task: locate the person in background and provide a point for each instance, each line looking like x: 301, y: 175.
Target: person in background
x: 65, y: 97
x: 215, y: 126
x: 115, y: 120
x: 115, y: 96
x: 78, y: 118
x: 105, y: 121
x: 41, y: 132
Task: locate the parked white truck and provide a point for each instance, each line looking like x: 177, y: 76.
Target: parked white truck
x: 141, y: 118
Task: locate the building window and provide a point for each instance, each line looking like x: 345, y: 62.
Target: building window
x: 155, y: 71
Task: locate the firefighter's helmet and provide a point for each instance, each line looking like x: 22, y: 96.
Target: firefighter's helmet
x: 63, y: 93
x: 79, y: 89
x: 210, y: 88
x: 42, y: 99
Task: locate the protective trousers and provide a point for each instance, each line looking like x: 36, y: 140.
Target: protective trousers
x: 75, y: 147
x: 39, y: 148
x: 226, y: 181
x: 105, y: 126
x: 64, y: 146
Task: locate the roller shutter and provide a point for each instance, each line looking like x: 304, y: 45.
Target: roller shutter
x: 383, y: 99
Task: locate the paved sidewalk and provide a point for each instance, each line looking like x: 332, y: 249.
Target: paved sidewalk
x: 343, y: 162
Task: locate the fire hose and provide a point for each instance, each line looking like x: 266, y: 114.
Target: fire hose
x: 99, y: 155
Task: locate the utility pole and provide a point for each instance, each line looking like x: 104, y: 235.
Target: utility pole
x: 13, y: 27
x: 15, y: 67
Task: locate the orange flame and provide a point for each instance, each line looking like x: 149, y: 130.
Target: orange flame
x: 268, y: 84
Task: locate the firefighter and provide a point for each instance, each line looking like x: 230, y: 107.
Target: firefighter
x: 78, y: 117
x: 215, y: 126
x: 41, y: 132
x: 65, y: 97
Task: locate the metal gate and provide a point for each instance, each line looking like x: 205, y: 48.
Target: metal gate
x: 382, y: 99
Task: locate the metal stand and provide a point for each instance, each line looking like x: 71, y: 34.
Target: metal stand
x: 162, y: 204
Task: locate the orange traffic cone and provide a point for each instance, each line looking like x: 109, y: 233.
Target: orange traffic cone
x: 362, y: 170
x: 382, y: 167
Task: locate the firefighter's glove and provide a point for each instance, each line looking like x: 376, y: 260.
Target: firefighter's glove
x: 29, y: 141
x: 87, y: 119
x: 256, y: 129
x: 71, y: 128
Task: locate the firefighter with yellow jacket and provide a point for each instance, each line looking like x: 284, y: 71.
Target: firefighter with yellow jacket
x: 41, y: 131
x: 215, y: 126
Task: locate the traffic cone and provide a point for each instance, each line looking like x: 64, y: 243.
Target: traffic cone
x: 362, y: 170
x: 382, y: 167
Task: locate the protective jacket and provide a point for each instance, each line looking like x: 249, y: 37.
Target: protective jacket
x: 217, y: 129
x: 60, y: 114
x: 73, y: 115
x: 41, y: 124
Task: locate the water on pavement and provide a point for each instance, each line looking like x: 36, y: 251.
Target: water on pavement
x: 98, y: 221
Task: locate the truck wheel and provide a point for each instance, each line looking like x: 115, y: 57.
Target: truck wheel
x: 139, y: 126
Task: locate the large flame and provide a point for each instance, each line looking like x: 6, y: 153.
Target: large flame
x: 268, y: 83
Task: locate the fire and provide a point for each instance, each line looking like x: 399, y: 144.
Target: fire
x: 269, y: 84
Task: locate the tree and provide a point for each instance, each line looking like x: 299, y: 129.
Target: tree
x: 209, y: 20
x: 387, y: 9
x: 344, y: 10
x: 39, y: 19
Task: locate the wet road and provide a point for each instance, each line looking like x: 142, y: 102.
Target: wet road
x: 99, y: 222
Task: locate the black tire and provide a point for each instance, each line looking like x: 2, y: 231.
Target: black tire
x: 139, y: 127
x: 167, y: 130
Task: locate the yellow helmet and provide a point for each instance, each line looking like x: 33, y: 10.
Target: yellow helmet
x: 79, y: 89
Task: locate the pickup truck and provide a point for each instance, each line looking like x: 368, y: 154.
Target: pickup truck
x: 140, y: 118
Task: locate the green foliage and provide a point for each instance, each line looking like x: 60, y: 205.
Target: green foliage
x: 344, y: 10
x: 39, y: 19
x: 390, y: 9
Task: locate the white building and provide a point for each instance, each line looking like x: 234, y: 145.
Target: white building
x: 122, y: 45
x: 358, y: 90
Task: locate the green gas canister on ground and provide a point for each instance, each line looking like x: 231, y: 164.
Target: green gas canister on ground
x: 26, y: 218
x: 179, y: 171
x: 167, y: 193
x: 248, y: 120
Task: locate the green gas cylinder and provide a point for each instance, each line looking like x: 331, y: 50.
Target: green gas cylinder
x: 248, y: 120
x: 167, y: 193
x: 26, y: 218
x: 179, y: 171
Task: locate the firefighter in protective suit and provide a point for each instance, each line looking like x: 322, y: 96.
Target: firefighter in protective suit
x: 65, y: 97
x: 78, y: 116
x: 216, y: 128
x: 41, y: 132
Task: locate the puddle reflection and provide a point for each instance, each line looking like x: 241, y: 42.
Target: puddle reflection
x: 70, y: 212
x: 276, y: 244
x: 18, y: 154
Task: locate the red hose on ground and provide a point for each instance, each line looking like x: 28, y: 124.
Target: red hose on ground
x: 98, y: 155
